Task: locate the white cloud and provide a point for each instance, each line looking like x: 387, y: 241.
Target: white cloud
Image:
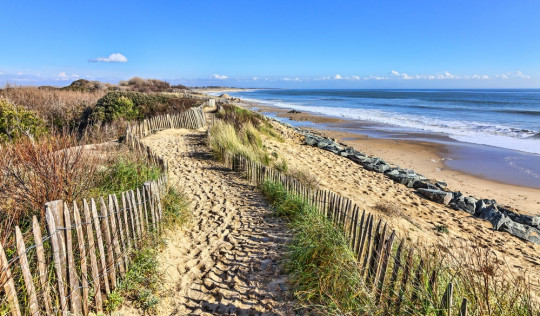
x: 255, y: 78
x: 113, y: 58
x: 19, y: 73
x: 291, y: 79
x: 219, y: 77
x: 520, y: 75
x: 65, y: 76
x: 338, y: 77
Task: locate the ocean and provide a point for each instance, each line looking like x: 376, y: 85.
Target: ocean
x: 502, y: 123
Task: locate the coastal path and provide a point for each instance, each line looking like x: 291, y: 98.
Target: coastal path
x: 228, y: 260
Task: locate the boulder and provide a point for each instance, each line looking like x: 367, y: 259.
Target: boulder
x: 441, y: 185
x: 225, y: 96
x: 310, y: 140
x: 463, y: 203
x: 380, y: 168
x: 421, y: 184
x: 522, y: 219
x: 392, y: 172
x: 494, y: 216
x: 322, y: 143
x: 437, y: 195
x: 522, y: 231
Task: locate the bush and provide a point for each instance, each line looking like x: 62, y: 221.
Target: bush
x: 16, y: 121
x: 115, y: 105
x: 61, y: 109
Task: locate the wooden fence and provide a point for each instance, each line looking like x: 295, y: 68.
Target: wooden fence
x: 399, y: 278
x: 80, y: 252
x: 85, y: 248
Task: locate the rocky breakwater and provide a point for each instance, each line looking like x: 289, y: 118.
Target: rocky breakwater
x: 501, y: 217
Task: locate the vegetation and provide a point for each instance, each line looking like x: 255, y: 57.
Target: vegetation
x: 150, y: 85
x: 323, y: 269
x: 16, y: 121
x: 62, y: 110
x: 130, y: 105
x: 327, y: 276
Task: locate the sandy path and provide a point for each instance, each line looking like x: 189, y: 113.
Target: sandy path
x: 228, y: 260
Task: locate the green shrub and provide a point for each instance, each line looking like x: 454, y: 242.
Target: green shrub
x: 136, y: 105
x: 16, y: 121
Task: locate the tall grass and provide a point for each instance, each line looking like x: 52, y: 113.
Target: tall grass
x: 245, y: 141
x: 323, y: 269
x: 327, y: 276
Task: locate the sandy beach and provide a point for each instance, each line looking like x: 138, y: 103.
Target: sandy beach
x: 426, y: 158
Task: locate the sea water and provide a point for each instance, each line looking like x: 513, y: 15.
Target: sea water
x: 504, y: 124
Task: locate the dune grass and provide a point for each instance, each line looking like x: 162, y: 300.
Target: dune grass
x: 323, y: 269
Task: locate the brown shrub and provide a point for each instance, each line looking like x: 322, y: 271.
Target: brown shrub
x: 306, y: 178
x: 33, y: 173
x: 388, y: 208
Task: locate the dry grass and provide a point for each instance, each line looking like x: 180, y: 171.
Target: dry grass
x: 306, y: 178
x: 388, y: 208
x: 60, y: 108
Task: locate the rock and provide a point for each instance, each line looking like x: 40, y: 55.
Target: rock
x: 392, y: 172
x: 436, y: 195
x: 420, y: 184
x: 462, y: 203
x: 324, y: 142
x: 522, y: 219
x: 225, y: 96
x: 380, y: 168
x: 358, y: 159
x: 441, y: 185
x: 522, y: 231
x: 294, y: 112
x: 333, y: 148
x: 311, y: 141
x: 494, y: 216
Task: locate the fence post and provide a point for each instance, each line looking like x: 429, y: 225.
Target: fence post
x: 446, y: 303
x: 38, y: 239
x: 111, y: 267
x: 53, y: 232
x: 23, y: 260
x: 114, y: 234
x: 75, y: 293
x: 57, y: 211
x: 82, y: 252
x: 9, y: 286
x: 93, y: 258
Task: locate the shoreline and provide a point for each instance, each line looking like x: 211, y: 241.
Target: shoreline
x: 424, y: 156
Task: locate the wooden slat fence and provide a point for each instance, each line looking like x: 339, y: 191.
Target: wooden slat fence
x: 79, y: 254
x: 82, y: 250
x: 400, y: 279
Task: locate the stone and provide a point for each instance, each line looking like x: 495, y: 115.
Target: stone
x: 380, y: 168
x: 420, y: 184
x: 441, y: 185
x: 494, y: 216
x: 392, y: 172
x: 437, y: 195
x: 520, y: 218
x: 294, y: 112
x: 311, y: 141
x: 463, y: 203
x: 522, y: 231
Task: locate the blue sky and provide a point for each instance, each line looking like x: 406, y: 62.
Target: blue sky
x: 300, y: 44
